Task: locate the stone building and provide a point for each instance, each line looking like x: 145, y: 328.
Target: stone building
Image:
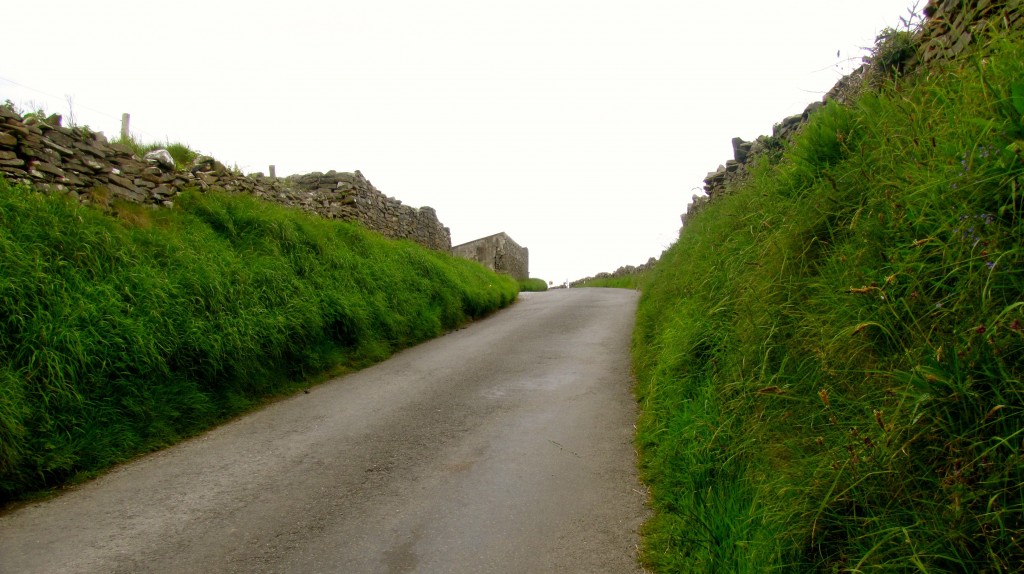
x: 499, y: 253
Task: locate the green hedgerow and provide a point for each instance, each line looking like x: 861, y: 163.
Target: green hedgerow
x: 123, y: 333
x: 830, y: 360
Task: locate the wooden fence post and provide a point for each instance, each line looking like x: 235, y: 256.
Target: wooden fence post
x: 124, y: 126
x: 273, y: 174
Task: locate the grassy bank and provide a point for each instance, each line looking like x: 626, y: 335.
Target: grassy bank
x: 829, y: 359
x: 626, y: 282
x: 532, y: 284
x: 121, y: 334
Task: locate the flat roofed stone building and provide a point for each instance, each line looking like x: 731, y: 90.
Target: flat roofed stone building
x: 498, y: 252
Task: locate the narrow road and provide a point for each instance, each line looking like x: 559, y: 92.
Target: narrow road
x: 502, y: 447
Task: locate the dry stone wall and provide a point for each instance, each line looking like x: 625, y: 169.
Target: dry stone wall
x: 350, y: 196
x: 718, y: 181
x: 950, y: 26
x: 84, y: 165
x: 624, y: 271
x: 79, y: 162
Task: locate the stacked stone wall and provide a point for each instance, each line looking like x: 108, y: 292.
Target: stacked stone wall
x: 350, y: 196
x: 949, y: 27
x: 952, y: 25
x: 624, y: 271
x: 84, y: 165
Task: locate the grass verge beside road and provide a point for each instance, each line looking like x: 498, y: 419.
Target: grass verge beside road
x: 121, y: 334
x: 830, y: 358
x: 532, y: 284
x: 635, y: 282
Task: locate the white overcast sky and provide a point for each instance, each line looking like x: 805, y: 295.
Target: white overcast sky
x: 580, y: 128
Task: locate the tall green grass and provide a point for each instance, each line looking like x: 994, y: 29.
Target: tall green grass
x: 122, y: 334
x: 635, y: 281
x: 830, y: 359
x: 532, y: 284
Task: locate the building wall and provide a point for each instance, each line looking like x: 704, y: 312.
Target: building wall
x: 498, y: 252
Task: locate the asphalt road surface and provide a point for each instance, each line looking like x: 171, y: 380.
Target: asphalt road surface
x: 502, y: 447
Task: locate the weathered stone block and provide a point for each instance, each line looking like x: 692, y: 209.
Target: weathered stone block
x: 163, y: 191
x: 133, y: 195
x: 122, y: 149
x: 56, y: 147
x: 122, y: 181
x: 51, y: 187
x: 18, y: 128
x: 72, y: 179
x: 37, y: 169
x: 94, y: 165
x: 13, y: 171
